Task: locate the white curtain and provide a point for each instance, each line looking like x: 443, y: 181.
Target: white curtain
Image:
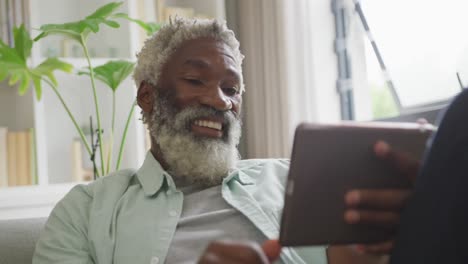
x: 290, y: 71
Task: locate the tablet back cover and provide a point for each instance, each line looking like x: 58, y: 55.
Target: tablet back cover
x: 329, y: 160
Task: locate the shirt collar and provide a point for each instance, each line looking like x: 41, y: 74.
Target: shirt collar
x: 239, y: 176
x: 152, y: 176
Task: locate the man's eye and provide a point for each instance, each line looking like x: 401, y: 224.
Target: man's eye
x: 196, y: 82
x: 231, y: 91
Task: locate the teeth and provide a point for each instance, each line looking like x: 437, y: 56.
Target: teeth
x: 210, y: 124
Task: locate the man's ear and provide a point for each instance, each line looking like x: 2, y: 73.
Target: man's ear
x: 145, y: 96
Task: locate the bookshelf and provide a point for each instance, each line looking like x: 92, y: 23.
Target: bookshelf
x: 54, y: 134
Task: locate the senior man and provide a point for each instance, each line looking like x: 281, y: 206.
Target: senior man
x: 192, y: 200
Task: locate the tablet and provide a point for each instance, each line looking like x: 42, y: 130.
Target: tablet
x: 329, y: 160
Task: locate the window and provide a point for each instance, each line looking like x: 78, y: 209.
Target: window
x: 424, y: 43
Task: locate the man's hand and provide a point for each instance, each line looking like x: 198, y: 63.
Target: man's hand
x: 231, y: 252
x: 385, y: 205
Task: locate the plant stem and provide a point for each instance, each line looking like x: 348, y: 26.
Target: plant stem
x: 82, y: 136
x: 113, y: 111
x: 122, y: 143
x: 111, y: 144
x: 96, y: 103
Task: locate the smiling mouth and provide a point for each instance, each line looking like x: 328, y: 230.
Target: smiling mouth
x: 208, y: 128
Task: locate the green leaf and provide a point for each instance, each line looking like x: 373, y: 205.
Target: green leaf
x: 48, y: 67
x: 105, y: 10
x: 23, y: 87
x: 3, y: 75
x: 23, y: 42
x: 9, y: 57
x: 112, y: 23
x: 113, y: 73
x: 13, y: 60
x: 79, y: 30
x: 13, y: 65
x: 149, y: 27
x: 15, y: 77
x: 37, y: 87
x: 153, y: 28
x: 71, y: 30
x: 92, y: 24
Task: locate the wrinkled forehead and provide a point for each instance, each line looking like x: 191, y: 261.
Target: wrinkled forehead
x: 201, y: 52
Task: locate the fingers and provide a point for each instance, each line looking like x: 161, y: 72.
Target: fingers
x: 272, y: 249
x: 422, y: 121
x: 386, y: 219
x: 382, y: 248
x: 406, y: 164
x: 394, y: 199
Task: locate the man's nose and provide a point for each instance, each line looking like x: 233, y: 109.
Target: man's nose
x: 217, y: 99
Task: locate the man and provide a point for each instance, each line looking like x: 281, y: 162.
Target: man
x: 193, y: 200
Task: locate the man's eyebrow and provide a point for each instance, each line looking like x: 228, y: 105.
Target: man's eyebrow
x: 233, y: 74
x: 201, y: 64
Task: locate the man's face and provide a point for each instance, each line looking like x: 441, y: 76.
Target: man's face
x: 195, y: 120
x: 202, y: 72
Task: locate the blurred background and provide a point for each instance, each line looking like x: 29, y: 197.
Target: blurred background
x: 305, y: 61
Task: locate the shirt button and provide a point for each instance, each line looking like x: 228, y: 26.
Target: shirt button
x: 155, y: 260
x: 172, y: 213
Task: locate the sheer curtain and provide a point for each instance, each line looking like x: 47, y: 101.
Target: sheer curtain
x: 290, y: 70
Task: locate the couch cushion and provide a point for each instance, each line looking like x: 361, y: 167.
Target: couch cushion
x: 18, y: 238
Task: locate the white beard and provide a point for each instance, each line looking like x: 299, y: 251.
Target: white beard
x: 190, y: 158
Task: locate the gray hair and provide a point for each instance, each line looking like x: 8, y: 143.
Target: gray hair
x: 157, y: 49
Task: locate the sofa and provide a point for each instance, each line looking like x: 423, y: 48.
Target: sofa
x: 18, y: 238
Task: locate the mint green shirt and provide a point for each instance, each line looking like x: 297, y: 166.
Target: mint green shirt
x: 131, y: 216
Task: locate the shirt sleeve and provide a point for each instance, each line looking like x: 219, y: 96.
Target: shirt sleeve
x: 64, y: 238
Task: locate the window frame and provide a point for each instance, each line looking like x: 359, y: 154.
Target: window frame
x: 429, y: 111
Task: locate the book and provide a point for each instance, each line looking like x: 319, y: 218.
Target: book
x: 23, y: 158
x: 3, y: 157
x: 11, y: 160
x: 33, y: 153
x: 80, y: 173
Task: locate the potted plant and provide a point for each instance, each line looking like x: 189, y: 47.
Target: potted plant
x: 15, y: 67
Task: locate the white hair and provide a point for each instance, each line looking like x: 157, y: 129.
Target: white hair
x: 157, y: 49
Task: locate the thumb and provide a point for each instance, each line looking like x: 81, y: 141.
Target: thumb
x: 272, y: 249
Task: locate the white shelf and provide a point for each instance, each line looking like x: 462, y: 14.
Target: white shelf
x: 31, y: 201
